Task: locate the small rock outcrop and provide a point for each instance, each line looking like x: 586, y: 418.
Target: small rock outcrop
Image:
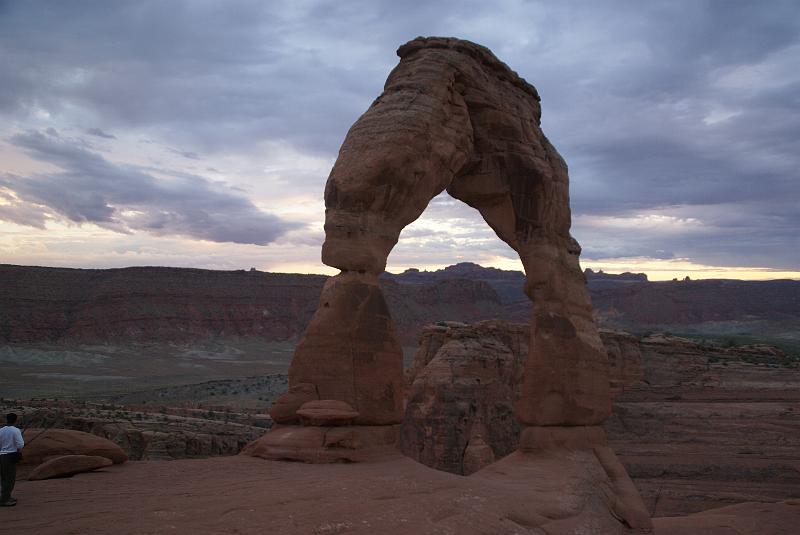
x: 624, y: 360
x: 462, y: 385
x: 44, y: 444
x: 68, y: 465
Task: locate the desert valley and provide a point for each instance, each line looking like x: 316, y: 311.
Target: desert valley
x: 184, y: 364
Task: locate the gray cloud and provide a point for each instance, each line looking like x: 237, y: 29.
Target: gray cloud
x: 90, y: 189
x: 99, y: 133
x: 688, y: 107
x: 22, y: 213
x: 185, y: 153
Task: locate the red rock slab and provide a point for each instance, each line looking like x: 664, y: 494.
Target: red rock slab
x: 44, y: 444
x: 68, y: 465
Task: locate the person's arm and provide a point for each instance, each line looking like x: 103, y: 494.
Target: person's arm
x: 19, y: 442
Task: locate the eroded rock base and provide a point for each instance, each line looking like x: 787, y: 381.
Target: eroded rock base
x: 585, y: 460
x: 319, y: 445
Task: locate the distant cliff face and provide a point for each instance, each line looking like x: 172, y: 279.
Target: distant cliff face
x: 157, y: 304
x: 173, y: 304
x: 692, y: 302
x: 151, y: 304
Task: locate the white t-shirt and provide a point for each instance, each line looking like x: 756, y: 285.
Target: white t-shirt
x: 10, y: 439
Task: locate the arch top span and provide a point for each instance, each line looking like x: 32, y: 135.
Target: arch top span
x: 452, y: 116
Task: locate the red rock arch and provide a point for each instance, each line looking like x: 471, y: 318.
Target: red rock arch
x: 452, y: 116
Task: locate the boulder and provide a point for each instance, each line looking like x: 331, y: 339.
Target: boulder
x: 44, y: 444
x: 68, y: 465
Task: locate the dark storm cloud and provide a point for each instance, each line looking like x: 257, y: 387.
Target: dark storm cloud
x: 99, y: 133
x: 213, y: 74
x: 90, y: 189
x: 689, y: 107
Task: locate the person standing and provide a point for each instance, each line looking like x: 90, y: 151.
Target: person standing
x: 11, y: 443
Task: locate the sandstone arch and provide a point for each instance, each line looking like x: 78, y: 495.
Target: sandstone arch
x: 452, y: 116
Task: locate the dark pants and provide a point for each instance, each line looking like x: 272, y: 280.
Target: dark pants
x: 8, y: 476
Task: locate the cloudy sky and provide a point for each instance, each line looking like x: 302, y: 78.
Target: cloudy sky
x: 193, y: 133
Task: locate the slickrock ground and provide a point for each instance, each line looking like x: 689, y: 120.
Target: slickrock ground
x: 245, y: 495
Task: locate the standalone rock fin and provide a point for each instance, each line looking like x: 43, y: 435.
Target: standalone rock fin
x: 451, y: 117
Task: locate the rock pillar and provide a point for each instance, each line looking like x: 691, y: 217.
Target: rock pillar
x: 349, y: 351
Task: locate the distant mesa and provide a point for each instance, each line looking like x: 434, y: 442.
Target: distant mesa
x: 622, y: 277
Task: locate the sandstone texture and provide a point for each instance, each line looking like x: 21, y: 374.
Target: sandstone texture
x: 44, y: 444
x: 153, y: 304
x: 350, y: 351
x: 578, y: 459
x: 68, y: 465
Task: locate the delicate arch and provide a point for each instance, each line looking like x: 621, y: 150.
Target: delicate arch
x: 452, y: 116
